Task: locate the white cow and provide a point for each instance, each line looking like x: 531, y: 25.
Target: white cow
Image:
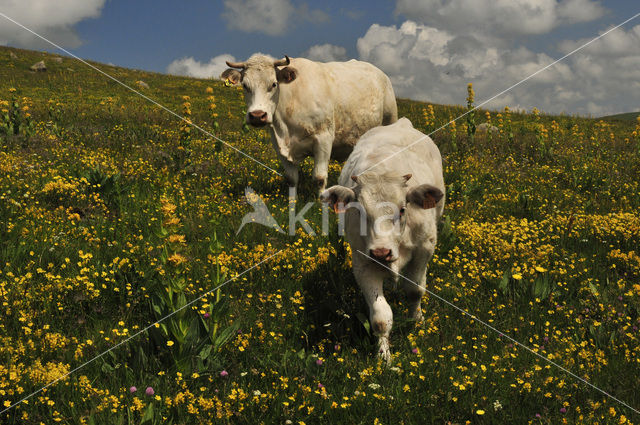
x: 401, y: 199
x: 313, y: 108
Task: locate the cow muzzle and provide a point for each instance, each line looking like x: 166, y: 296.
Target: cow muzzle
x: 258, y: 118
x: 382, y: 254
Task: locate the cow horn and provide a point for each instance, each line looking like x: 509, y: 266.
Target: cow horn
x: 282, y: 62
x: 239, y: 65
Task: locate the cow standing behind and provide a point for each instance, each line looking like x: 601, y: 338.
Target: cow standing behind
x: 402, y: 199
x: 313, y: 108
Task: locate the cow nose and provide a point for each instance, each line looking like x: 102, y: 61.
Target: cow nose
x: 382, y: 254
x: 258, y: 116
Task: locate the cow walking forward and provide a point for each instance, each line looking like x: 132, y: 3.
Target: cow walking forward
x: 313, y: 108
x: 391, y: 216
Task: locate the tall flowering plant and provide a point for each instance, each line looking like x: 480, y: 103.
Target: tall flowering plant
x: 191, y: 335
x: 429, y: 118
x: 15, y: 117
x: 214, y: 116
x: 471, y: 114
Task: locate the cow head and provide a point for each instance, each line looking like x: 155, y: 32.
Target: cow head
x: 386, y: 202
x: 260, y: 77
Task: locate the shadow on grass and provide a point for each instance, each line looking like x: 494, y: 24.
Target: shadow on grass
x: 335, y: 312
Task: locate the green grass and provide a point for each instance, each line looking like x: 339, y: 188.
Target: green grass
x: 540, y: 239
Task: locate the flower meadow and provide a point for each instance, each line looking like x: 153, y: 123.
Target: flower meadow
x: 115, y: 214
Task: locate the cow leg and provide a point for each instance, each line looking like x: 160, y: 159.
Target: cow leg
x: 380, y: 314
x: 415, y: 284
x: 291, y: 175
x: 321, y: 155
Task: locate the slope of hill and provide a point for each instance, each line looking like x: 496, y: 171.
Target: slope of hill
x: 629, y: 116
x: 115, y: 214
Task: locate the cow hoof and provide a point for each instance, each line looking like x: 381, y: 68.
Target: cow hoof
x: 383, y: 350
x: 417, y: 315
x: 321, y: 183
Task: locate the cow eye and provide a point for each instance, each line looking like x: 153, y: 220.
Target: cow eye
x: 273, y: 86
x: 399, y: 216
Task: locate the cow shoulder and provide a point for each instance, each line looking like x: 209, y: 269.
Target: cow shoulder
x: 307, y: 96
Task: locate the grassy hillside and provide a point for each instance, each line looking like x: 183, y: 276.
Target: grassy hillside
x: 629, y: 116
x: 114, y: 214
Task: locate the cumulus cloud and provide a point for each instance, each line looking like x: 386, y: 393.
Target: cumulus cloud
x: 432, y: 64
x: 447, y: 44
x: 190, y: 67
x: 499, y: 17
x: 574, y: 11
x: 271, y: 17
x: 617, y: 43
x: 326, y: 53
x: 53, y: 20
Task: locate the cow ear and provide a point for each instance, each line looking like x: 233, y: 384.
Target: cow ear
x: 231, y: 77
x: 286, y: 74
x: 338, y: 197
x: 425, y: 196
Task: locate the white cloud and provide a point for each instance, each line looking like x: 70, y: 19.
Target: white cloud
x: 454, y: 42
x: 190, y: 67
x: 53, y: 20
x: 271, y: 17
x: 499, y: 17
x: 447, y: 44
x: 574, y: 11
x: 435, y: 65
x: 617, y: 43
x: 325, y: 53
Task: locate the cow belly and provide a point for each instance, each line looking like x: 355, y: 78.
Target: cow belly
x: 351, y: 124
x: 300, y: 149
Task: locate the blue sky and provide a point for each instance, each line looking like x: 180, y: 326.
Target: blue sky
x: 195, y: 28
x: 149, y: 34
x: 429, y: 48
